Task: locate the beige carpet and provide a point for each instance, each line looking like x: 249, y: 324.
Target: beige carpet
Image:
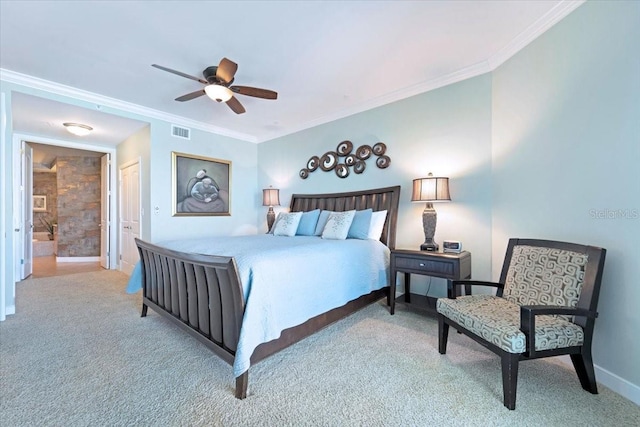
x: 78, y: 354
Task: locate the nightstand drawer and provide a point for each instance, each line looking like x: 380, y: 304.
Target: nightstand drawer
x: 448, y: 266
x: 421, y: 265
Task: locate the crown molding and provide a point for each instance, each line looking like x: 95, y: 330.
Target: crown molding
x: 94, y: 98
x: 535, y: 30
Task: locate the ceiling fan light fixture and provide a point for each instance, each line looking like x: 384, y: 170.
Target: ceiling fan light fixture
x: 78, y: 129
x: 218, y: 92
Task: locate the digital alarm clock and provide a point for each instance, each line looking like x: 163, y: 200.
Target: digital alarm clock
x: 452, y: 246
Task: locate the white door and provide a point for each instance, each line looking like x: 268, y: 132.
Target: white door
x: 27, y: 213
x: 129, y: 216
x: 105, y: 223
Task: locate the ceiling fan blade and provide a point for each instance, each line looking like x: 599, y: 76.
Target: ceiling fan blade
x: 226, y: 70
x: 254, y: 91
x: 235, y: 105
x: 179, y: 73
x: 190, y: 96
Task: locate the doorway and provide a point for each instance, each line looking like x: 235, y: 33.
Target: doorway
x: 24, y: 212
x: 70, y: 224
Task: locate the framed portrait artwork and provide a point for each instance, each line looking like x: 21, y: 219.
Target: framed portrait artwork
x: 201, y: 185
x: 39, y: 203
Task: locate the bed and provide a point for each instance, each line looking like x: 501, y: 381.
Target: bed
x: 203, y: 292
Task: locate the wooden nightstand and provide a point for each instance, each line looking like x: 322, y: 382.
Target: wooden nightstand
x: 450, y: 266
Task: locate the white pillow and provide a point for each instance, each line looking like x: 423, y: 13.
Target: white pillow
x: 338, y: 224
x: 377, y: 224
x: 287, y: 224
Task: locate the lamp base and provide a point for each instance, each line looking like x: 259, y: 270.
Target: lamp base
x: 429, y: 219
x: 271, y: 218
x: 430, y: 246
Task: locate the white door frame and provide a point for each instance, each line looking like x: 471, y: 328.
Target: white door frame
x: 18, y: 201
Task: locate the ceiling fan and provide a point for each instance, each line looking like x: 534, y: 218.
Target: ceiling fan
x: 218, y: 87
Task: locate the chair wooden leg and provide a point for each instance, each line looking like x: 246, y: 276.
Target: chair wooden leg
x: 583, y: 364
x: 443, y: 334
x: 509, y: 378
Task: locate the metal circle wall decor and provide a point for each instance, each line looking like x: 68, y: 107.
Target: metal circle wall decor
x: 328, y: 161
x: 379, y: 149
x: 383, y: 162
x: 344, y: 158
x: 312, y: 163
x: 363, y: 152
x: 342, y: 170
x: 344, y: 148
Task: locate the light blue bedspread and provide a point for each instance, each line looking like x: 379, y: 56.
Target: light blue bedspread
x: 288, y: 280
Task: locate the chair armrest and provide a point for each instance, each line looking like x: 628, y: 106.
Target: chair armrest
x: 528, y: 315
x: 454, y: 285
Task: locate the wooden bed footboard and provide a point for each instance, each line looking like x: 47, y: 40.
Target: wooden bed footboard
x: 203, y: 295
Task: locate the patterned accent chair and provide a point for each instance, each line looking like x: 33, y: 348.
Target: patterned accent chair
x: 545, y: 305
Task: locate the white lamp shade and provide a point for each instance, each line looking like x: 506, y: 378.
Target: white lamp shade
x: 270, y: 197
x: 430, y: 189
x: 218, y: 93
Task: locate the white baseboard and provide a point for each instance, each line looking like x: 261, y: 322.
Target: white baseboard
x: 77, y: 258
x: 610, y: 380
x: 619, y: 385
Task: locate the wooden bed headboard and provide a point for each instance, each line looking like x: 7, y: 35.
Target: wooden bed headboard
x: 377, y: 199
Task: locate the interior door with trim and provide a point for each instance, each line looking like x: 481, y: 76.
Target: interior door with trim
x: 129, y: 216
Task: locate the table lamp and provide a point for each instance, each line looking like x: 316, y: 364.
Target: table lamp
x: 271, y: 198
x: 430, y: 189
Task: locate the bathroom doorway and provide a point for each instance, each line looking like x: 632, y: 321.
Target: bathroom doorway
x: 69, y: 193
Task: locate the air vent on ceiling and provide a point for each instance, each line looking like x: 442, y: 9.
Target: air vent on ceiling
x: 180, y: 132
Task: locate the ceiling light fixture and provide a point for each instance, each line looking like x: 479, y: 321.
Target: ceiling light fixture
x: 218, y: 93
x: 78, y: 129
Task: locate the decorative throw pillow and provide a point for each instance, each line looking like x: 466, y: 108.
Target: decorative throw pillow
x: 322, y: 221
x: 308, y: 222
x: 338, y: 225
x: 377, y: 224
x: 360, y: 226
x: 287, y: 224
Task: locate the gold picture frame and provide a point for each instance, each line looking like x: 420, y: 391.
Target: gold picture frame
x: 201, y: 185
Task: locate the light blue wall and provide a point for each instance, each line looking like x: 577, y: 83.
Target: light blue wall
x: 244, y: 192
x: 566, y: 149
x: 446, y: 131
